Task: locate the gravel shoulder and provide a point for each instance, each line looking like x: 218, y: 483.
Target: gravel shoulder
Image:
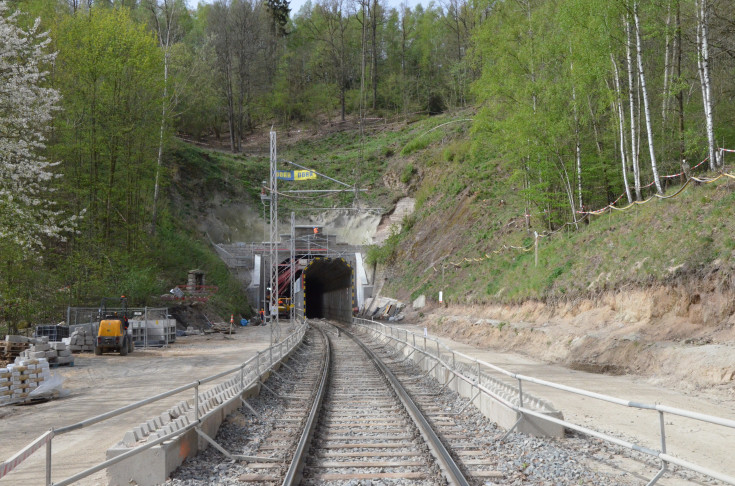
x: 98, y: 384
x: 708, y: 445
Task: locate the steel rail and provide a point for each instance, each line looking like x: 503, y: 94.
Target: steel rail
x: 440, y: 453
x: 666, y: 459
x: 293, y: 475
x: 550, y: 384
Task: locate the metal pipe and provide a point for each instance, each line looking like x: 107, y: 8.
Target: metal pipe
x: 196, y: 402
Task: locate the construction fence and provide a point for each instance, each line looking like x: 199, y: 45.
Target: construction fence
x: 149, y: 326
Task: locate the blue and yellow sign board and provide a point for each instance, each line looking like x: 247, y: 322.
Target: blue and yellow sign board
x: 295, y: 175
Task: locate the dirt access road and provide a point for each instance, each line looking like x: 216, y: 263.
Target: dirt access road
x: 99, y: 384
x: 695, y: 441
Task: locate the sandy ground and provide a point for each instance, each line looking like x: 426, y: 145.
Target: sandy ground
x: 98, y: 384
x: 699, y: 442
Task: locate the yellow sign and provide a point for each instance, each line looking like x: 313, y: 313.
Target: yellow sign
x: 302, y: 175
x: 295, y: 175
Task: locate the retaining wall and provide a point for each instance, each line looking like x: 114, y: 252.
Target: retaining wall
x: 153, y: 466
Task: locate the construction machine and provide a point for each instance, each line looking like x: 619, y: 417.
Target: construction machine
x: 284, y: 307
x: 113, y: 330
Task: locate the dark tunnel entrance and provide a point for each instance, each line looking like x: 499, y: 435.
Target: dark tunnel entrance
x: 328, y: 289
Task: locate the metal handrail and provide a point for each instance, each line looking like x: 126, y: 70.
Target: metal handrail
x: 46, y: 438
x: 661, y: 409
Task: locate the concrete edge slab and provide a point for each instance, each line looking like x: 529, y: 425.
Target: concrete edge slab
x: 153, y: 466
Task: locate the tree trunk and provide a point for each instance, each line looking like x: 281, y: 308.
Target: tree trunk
x: 680, y: 93
x: 230, y: 109
x: 621, y: 126
x: 375, y: 53
x: 577, y: 148
x: 633, y: 148
x: 665, y: 103
x: 154, y: 219
x: 568, y: 189
x: 703, y: 63
x: 642, y: 76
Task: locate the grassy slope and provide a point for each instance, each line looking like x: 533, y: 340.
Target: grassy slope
x: 467, y: 208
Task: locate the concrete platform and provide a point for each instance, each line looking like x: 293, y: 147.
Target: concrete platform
x: 98, y: 384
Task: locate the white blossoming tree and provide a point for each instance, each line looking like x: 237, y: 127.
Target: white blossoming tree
x: 27, y: 214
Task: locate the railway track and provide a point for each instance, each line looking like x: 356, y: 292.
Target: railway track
x: 370, y: 429
x: 343, y: 412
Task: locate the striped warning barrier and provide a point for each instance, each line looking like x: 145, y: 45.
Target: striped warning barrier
x: 25, y: 453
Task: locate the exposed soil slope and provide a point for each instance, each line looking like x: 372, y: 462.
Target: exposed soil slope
x: 656, y: 332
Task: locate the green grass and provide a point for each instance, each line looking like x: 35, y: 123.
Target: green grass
x: 656, y: 242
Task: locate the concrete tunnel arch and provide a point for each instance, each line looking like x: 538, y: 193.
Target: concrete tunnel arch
x: 328, y: 285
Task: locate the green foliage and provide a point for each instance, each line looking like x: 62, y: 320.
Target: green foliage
x: 408, y: 171
x: 386, y: 253
x: 422, y: 141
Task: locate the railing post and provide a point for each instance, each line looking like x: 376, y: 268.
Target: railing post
x: 145, y: 328
x: 48, y: 458
x: 438, y: 353
x: 242, y: 377
x: 196, y: 402
x: 257, y: 363
x: 663, y: 432
x: 520, y: 393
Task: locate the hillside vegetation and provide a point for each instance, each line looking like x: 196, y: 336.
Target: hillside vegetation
x: 484, y: 111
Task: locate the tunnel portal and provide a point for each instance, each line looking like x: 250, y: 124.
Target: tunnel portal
x: 328, y: 286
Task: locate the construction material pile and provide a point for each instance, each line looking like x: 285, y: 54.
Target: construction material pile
x: 25, y: 348
x: 13, y: 346
x: 80, y: 341
x: 18, y: 380
x: 55, y: 353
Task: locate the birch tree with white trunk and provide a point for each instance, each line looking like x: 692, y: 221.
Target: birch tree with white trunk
x: 618, y: 106
x: 27, y: 216
x: 702, y: 8
x: 634, y: 153
x: 646, y: 108
x: 164, y: 14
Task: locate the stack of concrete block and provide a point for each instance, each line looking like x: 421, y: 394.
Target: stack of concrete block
x: 55, y: 353
x: 81, y: 341
x: 63, y: 353
x: 18, y: 379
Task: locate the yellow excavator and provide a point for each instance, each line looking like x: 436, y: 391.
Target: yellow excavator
x: 113, y: 331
